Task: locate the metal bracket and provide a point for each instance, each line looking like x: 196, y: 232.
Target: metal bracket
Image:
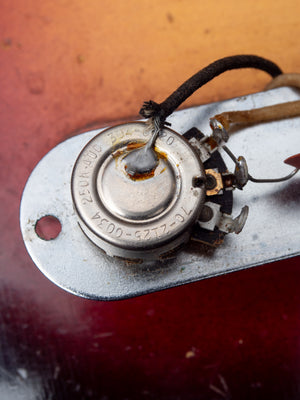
x: 272, y: 231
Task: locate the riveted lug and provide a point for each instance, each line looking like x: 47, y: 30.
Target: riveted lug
x: 214, y: 182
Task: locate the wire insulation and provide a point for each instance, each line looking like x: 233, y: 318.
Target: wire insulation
x: 284, y: 80
x: 163, y: 110
x: 265, y: 114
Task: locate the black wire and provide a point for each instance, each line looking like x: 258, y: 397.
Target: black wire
x: 163, y: 110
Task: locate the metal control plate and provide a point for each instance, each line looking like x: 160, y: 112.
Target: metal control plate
x: 272, y: 231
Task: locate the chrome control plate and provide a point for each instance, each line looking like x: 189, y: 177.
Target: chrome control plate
x: 272, y: 231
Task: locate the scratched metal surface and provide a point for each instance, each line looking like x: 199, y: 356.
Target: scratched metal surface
x: 272, y: 231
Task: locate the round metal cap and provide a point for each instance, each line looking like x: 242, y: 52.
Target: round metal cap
x: 142, y: 217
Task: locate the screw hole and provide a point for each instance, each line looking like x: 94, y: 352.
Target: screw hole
x: 48, y: 227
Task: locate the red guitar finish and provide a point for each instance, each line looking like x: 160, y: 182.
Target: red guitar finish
x: 231, y: 337
x: 294, y: 161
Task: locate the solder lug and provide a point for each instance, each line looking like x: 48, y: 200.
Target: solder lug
x: 210, y: 216
x: 202, y: 151
x: 228, y: 224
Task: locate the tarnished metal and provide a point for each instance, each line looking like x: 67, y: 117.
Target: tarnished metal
x: 144, y: 217
x: 272, y: 231
x: 214, y: 182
